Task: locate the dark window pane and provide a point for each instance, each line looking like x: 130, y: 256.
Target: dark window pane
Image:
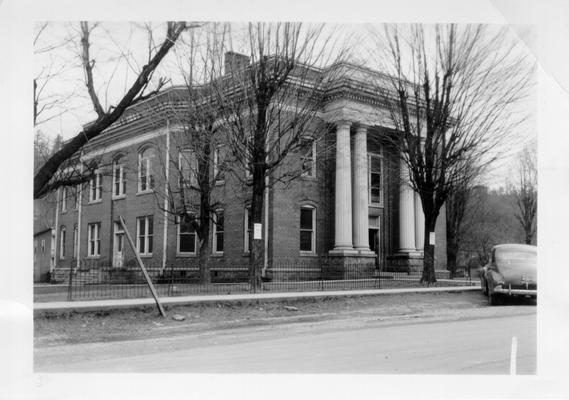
x: 305, y: 241
x: 305, y: 218
x: 375, y: 180
x: 220, y: 221
x: 249, y: 219
x: 375, y: 164
x: 219, y: 243
x: 375, y: 195
x: 150, y: 225
x: 187, y: 243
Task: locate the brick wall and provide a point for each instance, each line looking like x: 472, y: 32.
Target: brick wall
x: 284, y: 214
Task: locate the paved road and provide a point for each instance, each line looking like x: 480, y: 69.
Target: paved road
x: 414, y: 346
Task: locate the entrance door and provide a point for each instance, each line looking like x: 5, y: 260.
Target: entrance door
x: 374, y: 245
x: 118, y: 246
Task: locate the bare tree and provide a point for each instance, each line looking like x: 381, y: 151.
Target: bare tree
x: 450, y: 96
x: 525, y: 193
x: 457, y: 205
x: 268, y: 102
x: 47, y: 106
x: 488, y: 222
x: 44, y: 178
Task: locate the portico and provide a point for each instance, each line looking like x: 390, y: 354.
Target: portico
x: 351, y: 200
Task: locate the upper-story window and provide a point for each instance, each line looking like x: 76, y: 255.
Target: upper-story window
x: 145, y: 176
x: 188, y: 168
x: 119, y: 180
x: 76, y: 192
x: 375, y: 163
x: 308, y: 158
x: 95, y: 187
x: 218, y: 172
x: 63, y: 199
x: 307, y: 230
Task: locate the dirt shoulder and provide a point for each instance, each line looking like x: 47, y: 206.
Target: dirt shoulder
x: 145, y: 323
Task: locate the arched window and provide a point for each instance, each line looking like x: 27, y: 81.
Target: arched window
x: 307, y: 229
x: 119, y: 180
x: 308, y: 158
x: 188, y: 168
x: 95, y: 186
x: 64, y: 199
x: 145, y: 176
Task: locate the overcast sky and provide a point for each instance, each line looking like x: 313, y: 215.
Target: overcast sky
x: 120, y: 49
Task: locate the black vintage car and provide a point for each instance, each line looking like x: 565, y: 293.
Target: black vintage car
x: 511, y: 271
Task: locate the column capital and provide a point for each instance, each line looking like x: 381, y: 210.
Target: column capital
x: 361, y: 128
x: 343, y: 124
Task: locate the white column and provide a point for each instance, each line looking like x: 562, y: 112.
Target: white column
x: 343, y: 198
x: 406, y: 213
x: 419, y: 224
x: 360, y: 192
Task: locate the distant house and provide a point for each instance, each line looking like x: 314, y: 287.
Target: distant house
x: 347, y: 204
x: 44, y: 254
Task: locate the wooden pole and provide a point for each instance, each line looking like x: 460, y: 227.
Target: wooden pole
x: 148, y: 280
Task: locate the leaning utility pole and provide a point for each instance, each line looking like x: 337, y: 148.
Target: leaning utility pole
x: 148, y: 280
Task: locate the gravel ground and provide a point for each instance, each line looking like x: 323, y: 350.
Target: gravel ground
x: 145, y: 323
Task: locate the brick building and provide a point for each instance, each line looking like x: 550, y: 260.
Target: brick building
x: 348, y: 203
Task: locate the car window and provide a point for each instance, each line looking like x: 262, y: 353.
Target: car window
x: 516, y: 257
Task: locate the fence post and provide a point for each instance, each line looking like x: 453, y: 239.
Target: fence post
x: 322, y: 275
x: 70, y: 288
x: 171, y: 280
x: 378, y: 264
x: 148, y: 280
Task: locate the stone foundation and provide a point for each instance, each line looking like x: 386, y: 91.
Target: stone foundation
x: 409, y: 263
x: 356, y: 267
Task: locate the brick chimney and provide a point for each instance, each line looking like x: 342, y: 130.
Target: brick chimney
x: 235, y: 62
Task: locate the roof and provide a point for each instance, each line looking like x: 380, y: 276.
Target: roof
x: 42, y: 231
x: 515, y: 246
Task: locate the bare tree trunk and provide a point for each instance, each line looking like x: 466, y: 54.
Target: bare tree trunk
x: 256, y: 245
x: 428, y: 275
x: 203, y: 262
x: 452, y: 254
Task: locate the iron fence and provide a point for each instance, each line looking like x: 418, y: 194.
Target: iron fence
x: 318, y: 274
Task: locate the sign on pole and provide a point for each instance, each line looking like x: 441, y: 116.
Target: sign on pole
x: 257, y: 231
x: 432, y: 238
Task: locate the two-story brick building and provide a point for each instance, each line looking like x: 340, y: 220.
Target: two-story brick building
x: 348, y: 204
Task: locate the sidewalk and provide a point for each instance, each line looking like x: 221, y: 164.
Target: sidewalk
x: 98, y: 305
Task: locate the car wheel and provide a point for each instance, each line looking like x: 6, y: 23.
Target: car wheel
x: 493, y: 299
